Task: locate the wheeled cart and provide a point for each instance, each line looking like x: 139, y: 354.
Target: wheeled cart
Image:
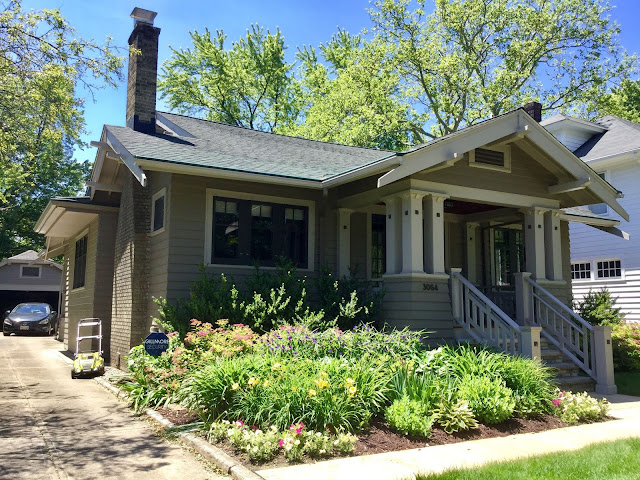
x: 88, y: 362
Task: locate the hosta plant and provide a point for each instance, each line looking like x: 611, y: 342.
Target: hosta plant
x: 454, y: 416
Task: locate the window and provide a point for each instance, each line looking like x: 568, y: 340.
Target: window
x: 581, y: 271
x: 608, y: 269
x: 158, y: 205
x: 496, y: 158
x: 29, y: 272
x: 600, y: 208
x: 378, y: 245
x: 80, y: 262
x: 247, y: 231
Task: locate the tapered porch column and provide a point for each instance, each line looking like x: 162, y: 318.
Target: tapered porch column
x: 344, y: 241
x: 553, y: 245
x: 412, y: 235
x: 472, y: 251
x: 433, y: 233
x: 534, y: 242
x: 394, y: 234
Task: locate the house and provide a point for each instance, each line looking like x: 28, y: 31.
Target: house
x: 610, y: 146
x: 28, y: 278
x: 450, y: 228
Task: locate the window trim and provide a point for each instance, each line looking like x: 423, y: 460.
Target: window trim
x: 606, y: 279
x: 235, y: 195
x: 39, y: 267
x: 505, y: 149
x: 160, y: 193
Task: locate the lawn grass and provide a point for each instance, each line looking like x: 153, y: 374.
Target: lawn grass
x: 604, y: 461
x: 628, y: 383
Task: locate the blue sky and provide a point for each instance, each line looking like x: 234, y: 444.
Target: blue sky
x: 301, y: 21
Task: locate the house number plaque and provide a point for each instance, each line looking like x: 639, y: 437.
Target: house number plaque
x: 430, y: 287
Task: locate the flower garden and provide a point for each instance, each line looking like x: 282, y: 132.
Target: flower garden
x: 301, y: 379
x: 298, y: 392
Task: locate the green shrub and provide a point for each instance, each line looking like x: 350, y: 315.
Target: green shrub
x: 423, y: 387
x: 626, y: 347
x: 489, y: 399
x: 269, y: 299
x: 599, y: 308
x: 410, y: 417
x: 225, y: 340
x: 263, y: 391
x: 580, y: 407
x: 454, y: 416
x: 531, y: 383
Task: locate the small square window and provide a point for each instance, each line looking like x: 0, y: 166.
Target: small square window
x: 581, y: 271
x: 30, y: 272
x: 609, y: 269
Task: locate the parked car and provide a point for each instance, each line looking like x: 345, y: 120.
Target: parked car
x: 30, y: 318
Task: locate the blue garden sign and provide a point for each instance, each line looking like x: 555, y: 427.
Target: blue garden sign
x: 156, y: 343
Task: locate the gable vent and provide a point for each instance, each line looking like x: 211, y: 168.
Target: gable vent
x: 489, y: 157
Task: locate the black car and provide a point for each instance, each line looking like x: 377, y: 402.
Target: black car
x: 30, y: 318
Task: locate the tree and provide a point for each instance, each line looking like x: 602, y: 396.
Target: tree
x: 41, y: 61
x: 248, y: 85
x: 623, y: 101
x: 352, y: 96
x: 473, y: 59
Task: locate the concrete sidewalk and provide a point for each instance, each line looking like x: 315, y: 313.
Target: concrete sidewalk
x: 406, y: 464
x: 53, y: 427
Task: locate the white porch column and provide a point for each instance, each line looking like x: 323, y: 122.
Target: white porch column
x: 412, y: 238
x: 553, y: 245
x: 433, y: 233
x: 534, y: 242
x: 394, y: 234
x: 344, y: 241
x: 472, y: 250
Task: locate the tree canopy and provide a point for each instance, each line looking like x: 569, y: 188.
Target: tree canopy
x: 42, y: 60
x: 623, y: 101
x: 423, y: 69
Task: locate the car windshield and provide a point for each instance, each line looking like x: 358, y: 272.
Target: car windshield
x: 33, y: 308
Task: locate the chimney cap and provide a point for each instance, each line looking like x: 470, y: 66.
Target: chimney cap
x: 141, y: 15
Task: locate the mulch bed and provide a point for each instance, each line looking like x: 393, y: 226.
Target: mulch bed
x: 380, y: 438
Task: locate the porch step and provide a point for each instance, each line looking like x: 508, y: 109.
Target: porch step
x: 551, y: 355
x: 576, y: 384
x: 564, y: 369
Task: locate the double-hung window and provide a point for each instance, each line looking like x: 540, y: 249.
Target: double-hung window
x: 378, y: 245
x: 248, y: 231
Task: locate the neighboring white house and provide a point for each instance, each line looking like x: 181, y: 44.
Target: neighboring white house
x: 610, y: 146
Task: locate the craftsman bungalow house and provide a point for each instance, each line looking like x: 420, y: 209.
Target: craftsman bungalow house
x: 451, y: 228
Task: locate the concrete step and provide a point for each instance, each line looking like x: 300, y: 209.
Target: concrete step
x: 552, y: 355
x: 564, y: 369
x: 577, y: 384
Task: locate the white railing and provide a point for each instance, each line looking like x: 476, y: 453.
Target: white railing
x: 481, y: 318
x: 563, y: 327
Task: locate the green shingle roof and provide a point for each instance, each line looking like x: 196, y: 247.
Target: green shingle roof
x: 222, y: 146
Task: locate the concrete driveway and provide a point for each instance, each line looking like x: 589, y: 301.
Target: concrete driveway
x: 53, y: 427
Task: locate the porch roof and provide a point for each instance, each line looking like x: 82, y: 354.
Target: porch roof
x: 501, y: 130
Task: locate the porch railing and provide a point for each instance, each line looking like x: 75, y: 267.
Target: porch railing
x: 482, y: 319
x: 561, y: 326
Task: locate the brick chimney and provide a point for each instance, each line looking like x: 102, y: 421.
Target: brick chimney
x: 534, y: 109
x: 143, y: 72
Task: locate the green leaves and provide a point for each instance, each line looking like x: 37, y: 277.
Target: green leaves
x: 42, y: 60
x: 248, y: 85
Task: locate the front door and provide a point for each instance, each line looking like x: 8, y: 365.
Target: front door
x: 504, y: 252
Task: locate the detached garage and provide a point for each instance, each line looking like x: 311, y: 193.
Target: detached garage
x: 28, y: 278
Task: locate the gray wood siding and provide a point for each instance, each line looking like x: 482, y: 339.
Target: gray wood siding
x: 187, y: 223
x: 527, y: 177
x: 455, y: 246
x: 408, y: 304
x: 159, y: 243
x: 10, y: 275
